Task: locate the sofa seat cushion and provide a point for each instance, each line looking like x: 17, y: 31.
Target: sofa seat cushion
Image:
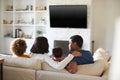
x: 15, y: 73
x: 49, y: 75
x: 21, y: 62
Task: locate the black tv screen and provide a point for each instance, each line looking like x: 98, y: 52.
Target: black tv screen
x: 68, y: 16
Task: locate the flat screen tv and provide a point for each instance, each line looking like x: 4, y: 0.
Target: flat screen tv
x: 68, y: 16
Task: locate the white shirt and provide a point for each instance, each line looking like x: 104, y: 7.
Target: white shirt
x: 57, y: 65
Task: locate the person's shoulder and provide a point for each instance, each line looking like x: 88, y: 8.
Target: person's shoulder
x: 26, y: 56
x: 85, y: 51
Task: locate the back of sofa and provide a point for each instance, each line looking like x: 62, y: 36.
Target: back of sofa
x: 21, y: 62
x: 16, y: 68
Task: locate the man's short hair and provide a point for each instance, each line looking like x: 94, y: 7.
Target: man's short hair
x: 78, y: 39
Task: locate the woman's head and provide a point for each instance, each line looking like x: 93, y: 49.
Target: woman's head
x: 18, y: 46
x: 40, y: 45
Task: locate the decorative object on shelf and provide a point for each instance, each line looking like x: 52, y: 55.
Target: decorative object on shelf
x: 31, y: 7
x: 9, y: 8
x: 8, y: 34
x: 18, y: 33
x: 40, y: 8
x: 11, y: 22
x: 5, y: 22
x: 39, y: 33
x: 27, y: 7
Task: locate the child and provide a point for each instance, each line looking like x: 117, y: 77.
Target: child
x: 18, y: 48
x: 57, y: 54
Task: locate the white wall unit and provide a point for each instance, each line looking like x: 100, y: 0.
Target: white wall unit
x: 21, y: 18
x: 24, y: 15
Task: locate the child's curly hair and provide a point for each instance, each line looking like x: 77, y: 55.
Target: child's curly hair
x: 18, y: 46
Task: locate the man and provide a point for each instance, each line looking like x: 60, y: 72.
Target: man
x: 75, y: 44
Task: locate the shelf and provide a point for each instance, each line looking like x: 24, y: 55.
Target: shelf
x: 8, y: 24
x: 24, y: 11
x: 31, y: 25
x: 8, y: 11
x: 43, y: 11
x: 41, y: 25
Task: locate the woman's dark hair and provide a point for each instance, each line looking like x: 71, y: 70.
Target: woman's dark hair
x: 18, y: 46
x: 78, y: 39
x: 57, y: 52
x: 40, y: 46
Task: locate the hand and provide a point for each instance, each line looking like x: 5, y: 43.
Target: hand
x: 76, y: 53
x: 72, y: 67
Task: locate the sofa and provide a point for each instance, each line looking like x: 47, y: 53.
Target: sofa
x: 33, y: 69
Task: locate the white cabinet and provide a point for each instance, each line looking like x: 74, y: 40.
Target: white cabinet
x: 23, y: 18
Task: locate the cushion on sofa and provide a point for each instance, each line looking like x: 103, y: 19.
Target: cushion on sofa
x: 21, y: 62
x: 101, y: 53
x: 47, y: 67
x: 95, y: 69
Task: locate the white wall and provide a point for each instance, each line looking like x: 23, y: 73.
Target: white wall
x: 65, y: 34
x: 104, y: 15
x: 68, y: 2
x: 0, y: 19
x: 115, y: 65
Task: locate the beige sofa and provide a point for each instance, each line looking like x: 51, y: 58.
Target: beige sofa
x: 33, y: 69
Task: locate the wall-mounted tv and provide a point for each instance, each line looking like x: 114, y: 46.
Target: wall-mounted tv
x: 68, y: 16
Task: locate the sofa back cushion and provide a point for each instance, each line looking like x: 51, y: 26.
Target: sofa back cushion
x: 21, y: 62
x: 100, y: 53
x: 95, y: 69
x: 47, y: 67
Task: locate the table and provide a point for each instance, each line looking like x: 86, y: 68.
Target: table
x: 1, y: 68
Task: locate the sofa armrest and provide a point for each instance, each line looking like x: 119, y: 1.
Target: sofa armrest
x: 105, y: 74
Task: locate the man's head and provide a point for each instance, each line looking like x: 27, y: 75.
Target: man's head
x: 75, y: 42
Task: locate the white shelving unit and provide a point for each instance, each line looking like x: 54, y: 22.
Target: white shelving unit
x: 23, y: 18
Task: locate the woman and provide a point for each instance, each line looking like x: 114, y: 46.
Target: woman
x: 40, y: 51
x: 18, y: 48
